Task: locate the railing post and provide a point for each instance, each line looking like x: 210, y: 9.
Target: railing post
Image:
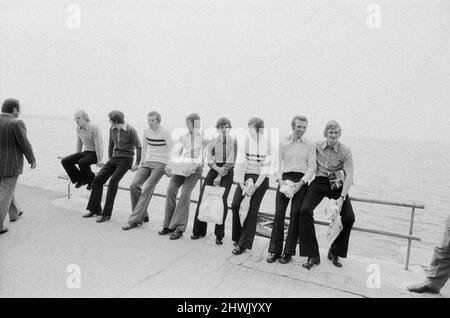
x: 409, y: 239
x: 68, y: 188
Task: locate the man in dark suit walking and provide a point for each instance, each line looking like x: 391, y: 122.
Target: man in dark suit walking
x: 14, y: 145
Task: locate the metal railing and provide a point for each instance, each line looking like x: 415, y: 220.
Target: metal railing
x: 410, y: 237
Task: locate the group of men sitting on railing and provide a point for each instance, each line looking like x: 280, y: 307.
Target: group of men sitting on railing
x: 298, y: 161
x: 306, y: 173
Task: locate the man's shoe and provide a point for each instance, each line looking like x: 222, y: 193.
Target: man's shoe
x: 165, y: 231
x: 89, y: 186
x: 219, y: 241
x: 311, y: 262
x: 286, y: 258
x: 103, y: 218
x: 176, y: 235
x: 79, y: 184
x: 4, y: 230
x: 20, y: 214
x: 129, y: 227
x: 195, y: 236
x: 90, y: 214
x: 422, y: 288
x: 272, y: 257
x: 334, y: 259
x: 238, y: 250
x: 146, y: 219
x: 235, y: 244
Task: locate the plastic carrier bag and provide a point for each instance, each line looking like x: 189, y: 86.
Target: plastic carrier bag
x: 211, y: 207
x: 245, y: 203
x: 335, y: 227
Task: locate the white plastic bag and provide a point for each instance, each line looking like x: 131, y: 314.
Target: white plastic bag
x: 245, y: 203
x: 211, y: 207
x: 335, y: 227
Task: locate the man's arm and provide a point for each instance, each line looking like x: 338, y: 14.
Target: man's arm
x: 98, y: 142
x: 137, y: 144
x: 348, y: 169
x: 79, y: 144
x: 144, y: 145
x: 311, y: 164
x: 20, y: 134
x: 111, y: 144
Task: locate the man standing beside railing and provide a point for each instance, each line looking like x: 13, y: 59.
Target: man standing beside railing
x: 439, y: 271
x: 123, y: 140
x: 89, y: 136
x: 297, y: 163
x: 334, y: 177
x: 14, y: 145
x: 156, y: 146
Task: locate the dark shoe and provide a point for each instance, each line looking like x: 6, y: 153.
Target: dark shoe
x: 235, y: 244
x: 146, y: 219
x: 4, y: 230
x: 79, y: 184
x: 286, y: 258
x: 165, y: 231
x: 219, y: 241
x: 422, y: 288
x: 20, y: 214
x: 103, y: 218
x: 272, y: 257
x: 334, y: 259
x: 176, y: 235
x: 90, y: 214
x: 311, y: 262
x: 195, y: 236
x: 89, y: 186
x: 238, y: 250
x: 129, y: 227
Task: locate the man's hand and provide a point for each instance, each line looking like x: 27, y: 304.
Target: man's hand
x: 280, y: 182
x: 168, y: 172
x: 217, y: 180
x: 100, y: 164
x: 134, y: 168
x: 339, y: 203
x: 242, y: 185
x: 33, y: 165
x: 298, y: 186
x: 221, y: 171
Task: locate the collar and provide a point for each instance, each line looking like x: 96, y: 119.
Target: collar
x: 7, y: 115
x: 324, y: 145
x: 125, y: 127
x: 290, y: 139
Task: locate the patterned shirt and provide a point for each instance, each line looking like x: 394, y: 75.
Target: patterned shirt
x: 334, y: 159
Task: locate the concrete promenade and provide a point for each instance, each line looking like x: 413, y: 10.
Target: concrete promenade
x: 39, y: 249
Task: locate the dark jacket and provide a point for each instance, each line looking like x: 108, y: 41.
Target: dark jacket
x: 14, y: 145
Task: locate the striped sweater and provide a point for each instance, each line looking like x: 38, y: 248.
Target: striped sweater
x: 156, y: 145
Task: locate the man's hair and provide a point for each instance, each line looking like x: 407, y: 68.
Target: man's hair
x: 223, y: 121
x: 298, y: 117
x: 256, y: 122
x: 117, y: 117
x: 9, y: 105
x: 156, y: 114
x: 83, y: 115
x: 192, y: 118
x: 332, y: 124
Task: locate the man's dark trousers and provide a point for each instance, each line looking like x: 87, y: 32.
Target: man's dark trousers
x: 115, y: 168
x: 281, y: 204
x: 317, y: 190
x: 84, y: 160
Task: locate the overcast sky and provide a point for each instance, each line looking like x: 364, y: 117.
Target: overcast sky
x: 271, y: 59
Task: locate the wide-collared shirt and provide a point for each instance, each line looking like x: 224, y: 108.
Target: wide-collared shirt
x: 297, y: 156
x: 156, y: 145
x: 331, y: 159
x: 123, y: 141
x: 191, y: 148
x: 89, y: 138
x: 223, y: 151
